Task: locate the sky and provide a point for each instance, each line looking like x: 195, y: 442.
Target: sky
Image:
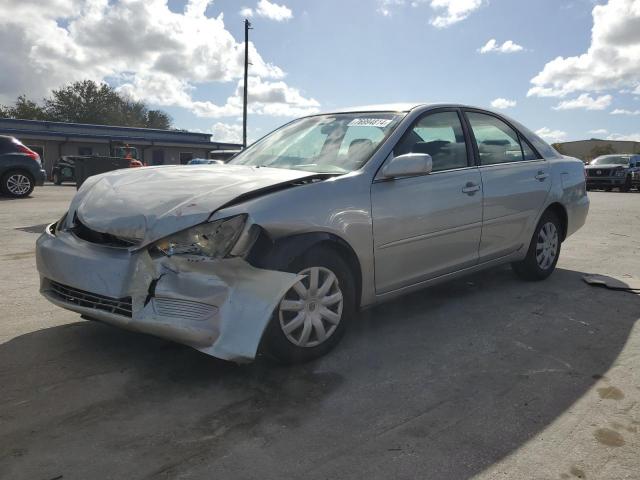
x: 568, y: 69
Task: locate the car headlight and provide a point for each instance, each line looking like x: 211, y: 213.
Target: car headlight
x: 620, y: 173
x: 213, y: 239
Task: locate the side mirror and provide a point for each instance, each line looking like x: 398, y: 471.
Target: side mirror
x: 408, y: 165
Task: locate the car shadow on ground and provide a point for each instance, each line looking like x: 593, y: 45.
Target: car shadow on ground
x: 442, y: 383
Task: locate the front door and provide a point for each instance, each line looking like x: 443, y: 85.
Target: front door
x: 516, y: 181
x: 429, y: 225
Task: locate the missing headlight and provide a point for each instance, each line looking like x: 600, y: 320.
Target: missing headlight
x: 214, y: 239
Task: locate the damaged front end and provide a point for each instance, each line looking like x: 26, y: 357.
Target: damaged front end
x: 193, y: 287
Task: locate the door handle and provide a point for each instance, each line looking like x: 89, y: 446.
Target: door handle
x: 471, y: 188
x: 542, y: 176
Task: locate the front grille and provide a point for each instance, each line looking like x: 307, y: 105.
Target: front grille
x: 172, y: 307
x: 85, y: 233
x: 603, y: 172
x: 118, y: 306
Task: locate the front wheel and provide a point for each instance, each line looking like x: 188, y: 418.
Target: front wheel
x: 312, y: 316
x: 627, y: 185
x: 56, y: 178
x: 543, y: 252
x: 17, y: 184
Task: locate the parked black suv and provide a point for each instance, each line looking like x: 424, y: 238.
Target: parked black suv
x: 612, y: 171
x: 20, y: 168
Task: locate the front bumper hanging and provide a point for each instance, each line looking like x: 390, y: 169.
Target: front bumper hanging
x: 220, y: 307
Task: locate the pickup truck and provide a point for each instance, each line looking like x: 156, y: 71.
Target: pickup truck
x: 613, y: 171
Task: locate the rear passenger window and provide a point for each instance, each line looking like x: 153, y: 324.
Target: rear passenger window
x: 497, y: 141
x: 441, y: 136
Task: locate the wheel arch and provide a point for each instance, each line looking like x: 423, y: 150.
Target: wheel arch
x: 280, y: 253
x: 561, y: 212
x: 17, y: 169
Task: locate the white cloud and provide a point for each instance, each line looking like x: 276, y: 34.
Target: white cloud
x: 503, y: 103
x: 226, y: 132
x: 622, y: 111
x: 447, y: 12
x: 507, y: 47
x: 273, y: 11
x: 141, y: 46
x: 246, y: 12
x: 551, y: 135
x: 611, y: 62
x: 633, y: 137
x: 265, y: 98
x: 585, y: 101
x: 453, y: 11
x: 599, y: 131
x: 385, y: 6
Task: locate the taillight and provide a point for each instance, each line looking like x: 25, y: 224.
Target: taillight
x: 28, y: 152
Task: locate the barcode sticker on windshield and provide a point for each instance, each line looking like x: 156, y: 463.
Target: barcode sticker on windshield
x: 369, y: 122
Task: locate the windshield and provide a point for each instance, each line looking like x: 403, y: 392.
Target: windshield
x: 611, y: 160
x: 338, y: 143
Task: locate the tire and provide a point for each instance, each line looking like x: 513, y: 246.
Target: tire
x: 17, y: 184
x: 291, y: 347
x: 627, y: 185
x: 608, y: 189
x: 56, y: 178
x: 540, y: 262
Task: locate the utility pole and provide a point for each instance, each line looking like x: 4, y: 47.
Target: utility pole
x: 247, y: 27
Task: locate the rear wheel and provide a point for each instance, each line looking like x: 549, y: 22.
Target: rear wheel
x: 543, y: 252
x: 56, y: 178
x: 312, y: 316
x: 17, y: 184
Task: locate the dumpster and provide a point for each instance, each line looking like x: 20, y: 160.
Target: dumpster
x: 93, y: 165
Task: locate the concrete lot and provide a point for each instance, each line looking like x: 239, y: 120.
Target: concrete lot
x: 487, y: 377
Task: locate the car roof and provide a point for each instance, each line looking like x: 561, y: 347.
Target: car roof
x: 406, y: 107
x: 384, y: 107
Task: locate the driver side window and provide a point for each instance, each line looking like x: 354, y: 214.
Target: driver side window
x: 441, y: 136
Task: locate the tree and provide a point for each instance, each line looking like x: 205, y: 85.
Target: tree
x: 24, y: 109
x: 158, y: 119
x: 89, y: 102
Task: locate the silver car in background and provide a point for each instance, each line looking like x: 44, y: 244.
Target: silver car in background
x: 277, y: 250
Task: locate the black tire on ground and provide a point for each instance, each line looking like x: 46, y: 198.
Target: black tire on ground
x: 529, y: 268
x: 608, y: 189
x: 627, y: 185
x: 275, y: 342
x: 11, y: 178
x: 56, y: 179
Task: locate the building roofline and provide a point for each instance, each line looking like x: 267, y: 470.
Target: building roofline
x: 597, y: 140
x: 124, y: 138
x: 48, y: 123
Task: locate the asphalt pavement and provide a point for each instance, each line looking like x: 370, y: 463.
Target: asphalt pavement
x: 486, y: 377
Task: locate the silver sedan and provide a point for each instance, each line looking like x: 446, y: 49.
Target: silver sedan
x: 277, y: 250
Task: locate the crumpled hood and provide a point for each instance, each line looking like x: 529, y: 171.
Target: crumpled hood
x: 147, y: 204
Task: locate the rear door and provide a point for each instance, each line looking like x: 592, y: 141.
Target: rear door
x: 515, y: 179
x: 428, y: 225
